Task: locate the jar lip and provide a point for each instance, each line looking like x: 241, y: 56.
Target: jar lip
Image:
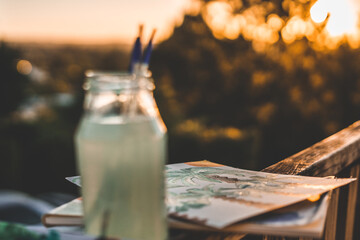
x: 111, y: 81
x: 97, y: 74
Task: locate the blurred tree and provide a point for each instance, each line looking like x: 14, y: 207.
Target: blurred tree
x: 258, y: 66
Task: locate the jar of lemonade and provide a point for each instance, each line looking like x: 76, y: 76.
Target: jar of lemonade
x: 121, y: 145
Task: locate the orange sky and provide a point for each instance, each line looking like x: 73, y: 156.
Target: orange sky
x: 87, y: 21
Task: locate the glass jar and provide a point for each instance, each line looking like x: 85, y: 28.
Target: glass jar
x: 121, y: 145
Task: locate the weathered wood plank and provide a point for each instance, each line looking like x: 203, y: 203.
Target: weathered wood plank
x: 331, y: 218
x: 351, y: 207
x: 341, y: 211
x: 356, y: 232
x: 324, y: 158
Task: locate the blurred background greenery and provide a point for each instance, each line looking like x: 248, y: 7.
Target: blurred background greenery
x: 245, y: 83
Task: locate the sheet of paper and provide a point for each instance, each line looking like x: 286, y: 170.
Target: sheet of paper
x: 218, y: 196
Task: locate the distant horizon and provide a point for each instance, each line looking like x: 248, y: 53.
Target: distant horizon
x: 124, y: 44
x: 77, y: 41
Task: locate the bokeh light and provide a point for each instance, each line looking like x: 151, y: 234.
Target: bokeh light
x: 24, y: 67
x: 326, y: 23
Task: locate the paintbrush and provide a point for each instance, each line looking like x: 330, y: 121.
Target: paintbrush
x: 148, y: 49
x: 142, y: 67
x: 136, y: 51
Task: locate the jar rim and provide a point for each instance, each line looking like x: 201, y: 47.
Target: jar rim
x: 112, y: 80
x: 97, y: 73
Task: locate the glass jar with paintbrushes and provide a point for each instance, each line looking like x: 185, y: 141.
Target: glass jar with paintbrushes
x: 121, y: 147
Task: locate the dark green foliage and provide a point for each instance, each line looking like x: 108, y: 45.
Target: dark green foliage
x: 12, y: 83
x: 11, y: 231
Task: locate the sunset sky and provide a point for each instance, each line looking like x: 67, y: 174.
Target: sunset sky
x: 117, y: 21
x: 87, y: 21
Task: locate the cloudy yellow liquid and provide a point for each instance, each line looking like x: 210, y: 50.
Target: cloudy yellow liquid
x: 121, y: 164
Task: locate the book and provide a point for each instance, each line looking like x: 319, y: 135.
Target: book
x: 305, y: 218
x: 208, y: 196
x: 68, y: 214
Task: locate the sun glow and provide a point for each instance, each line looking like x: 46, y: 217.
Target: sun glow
x: 342, y: 16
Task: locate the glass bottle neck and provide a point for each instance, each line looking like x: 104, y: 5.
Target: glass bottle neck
x: 124, y: 96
